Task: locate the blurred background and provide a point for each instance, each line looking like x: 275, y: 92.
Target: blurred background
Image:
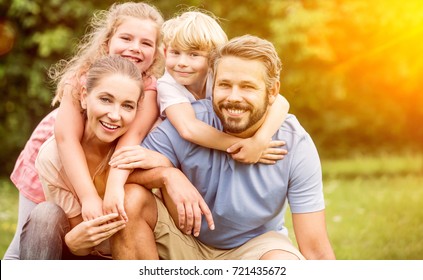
x: 352, y: 72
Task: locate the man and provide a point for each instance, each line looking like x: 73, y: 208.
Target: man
x: 243, y: 205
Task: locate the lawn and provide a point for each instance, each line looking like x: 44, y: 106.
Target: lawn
x: 373, y: 208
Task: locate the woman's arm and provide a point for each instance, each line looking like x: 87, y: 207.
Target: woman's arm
x: 146, y: 116
x: 68, y: 129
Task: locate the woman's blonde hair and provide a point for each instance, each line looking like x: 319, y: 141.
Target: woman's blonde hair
x: 95, y: 45
x: 194, y: 30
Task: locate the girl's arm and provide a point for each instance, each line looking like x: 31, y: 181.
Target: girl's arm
x: 248, y: 148
x: 68, y: 129
x: 146, y: 116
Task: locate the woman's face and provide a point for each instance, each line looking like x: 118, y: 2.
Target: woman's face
x: 111, y: 107
x: 135, y: 40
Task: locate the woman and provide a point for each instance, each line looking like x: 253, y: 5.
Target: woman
x: 109, y: 101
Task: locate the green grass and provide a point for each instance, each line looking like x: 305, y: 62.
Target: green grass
x: 373, y: 208
x: 8, y: 213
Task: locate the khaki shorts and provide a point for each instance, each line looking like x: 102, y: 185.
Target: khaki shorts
x: 172, y: 244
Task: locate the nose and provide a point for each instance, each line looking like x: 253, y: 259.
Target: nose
x: 114, y: 114
x: 235, y: 94
x: 135, y: 47
x: 182, y: 60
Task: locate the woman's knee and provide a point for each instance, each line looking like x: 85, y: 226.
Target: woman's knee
x: 47, y: 212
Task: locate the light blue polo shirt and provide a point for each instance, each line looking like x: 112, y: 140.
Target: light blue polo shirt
x: 246, y: 200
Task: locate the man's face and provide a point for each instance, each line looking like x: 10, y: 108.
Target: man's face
x: 239, y: 96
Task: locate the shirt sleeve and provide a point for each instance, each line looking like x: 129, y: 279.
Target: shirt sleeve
x: 305, y: 190
x: 169, y: 94
x: 57, y: 188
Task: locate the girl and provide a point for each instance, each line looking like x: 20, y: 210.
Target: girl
x: 131, y: 30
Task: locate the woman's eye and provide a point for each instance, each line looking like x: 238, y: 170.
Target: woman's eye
x: 105, y: 99
x: 128, y: 107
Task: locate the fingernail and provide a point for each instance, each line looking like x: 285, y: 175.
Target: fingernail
x: 212, y: 227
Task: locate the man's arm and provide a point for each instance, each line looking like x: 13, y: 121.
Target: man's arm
x: 185, y: 198
x: 311, y: 235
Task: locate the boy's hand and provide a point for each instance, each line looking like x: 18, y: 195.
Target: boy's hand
x: 252, y: 150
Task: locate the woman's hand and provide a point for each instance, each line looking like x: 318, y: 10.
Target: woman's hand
x: 88, y: 234
x: 131, y: 157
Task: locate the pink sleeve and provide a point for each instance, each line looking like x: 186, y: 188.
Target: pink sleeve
x: 24, y: 174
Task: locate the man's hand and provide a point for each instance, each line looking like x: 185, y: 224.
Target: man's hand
x: 189, y: 203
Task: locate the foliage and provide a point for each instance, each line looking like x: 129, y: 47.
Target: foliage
x: 351, y: 68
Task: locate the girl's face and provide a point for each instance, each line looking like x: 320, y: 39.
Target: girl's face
x: 188, y: 68
x: 111, y: 107
x: 135, y: 39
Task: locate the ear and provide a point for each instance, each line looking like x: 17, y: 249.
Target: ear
x: 84, y: 95
x: 273, y: 92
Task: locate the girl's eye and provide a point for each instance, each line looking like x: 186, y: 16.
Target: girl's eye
x: 125, y: 38
x: 148, y: 44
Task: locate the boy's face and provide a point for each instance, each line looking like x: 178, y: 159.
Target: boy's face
x: 188, y: 68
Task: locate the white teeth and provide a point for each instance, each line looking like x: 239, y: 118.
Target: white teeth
x: 109, y: 125
x: 233, y: 111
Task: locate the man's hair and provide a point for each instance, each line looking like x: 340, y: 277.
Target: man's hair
x: 194, y: 30
x: 252, y: 48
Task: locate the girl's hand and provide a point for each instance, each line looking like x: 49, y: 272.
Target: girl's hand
x: 250, y: 151
x: 114, y: 202
x: 89, y: 234
x: 131, y: 157
x: 91, y: 208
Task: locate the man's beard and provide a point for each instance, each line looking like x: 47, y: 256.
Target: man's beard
x: 234, y: 125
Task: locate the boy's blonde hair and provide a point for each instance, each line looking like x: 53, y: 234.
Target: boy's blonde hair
x: 95, y: 45
x: 193, y: 30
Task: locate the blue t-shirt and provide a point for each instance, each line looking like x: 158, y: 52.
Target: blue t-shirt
x: 246, y: 200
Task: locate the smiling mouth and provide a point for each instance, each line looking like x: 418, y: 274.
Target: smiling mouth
x: 109, y: 126
x: 133, y: 59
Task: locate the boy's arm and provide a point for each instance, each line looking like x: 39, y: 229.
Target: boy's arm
x: 182, y: 116
x: 258, y: 144
x: 146, y: 116
x: 68, y: 129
